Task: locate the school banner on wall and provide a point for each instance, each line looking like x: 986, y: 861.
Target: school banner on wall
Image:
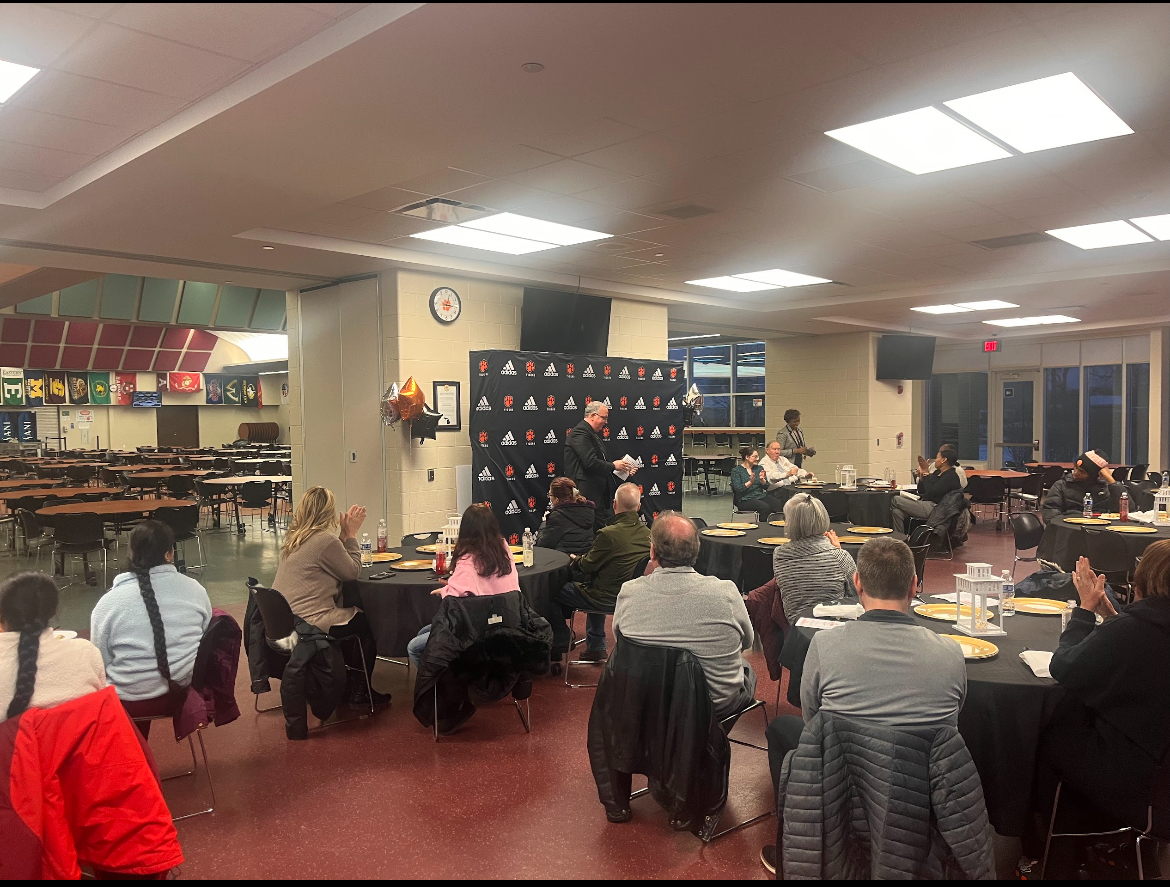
x: 13, y: 387
x: 524, y: 403
x: 99, y: 388
x: 184, y: 382
x: 122, y: 391
x: 78, y: 384
x: 55, y: 390
x: 34, y: 388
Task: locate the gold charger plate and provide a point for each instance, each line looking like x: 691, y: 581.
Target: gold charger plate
x: 516, y: 549
x: 411, y: 565
x: 871, y: 531
x: 518, y: 556
x: 974, y: 648
x: 1039, y: 606
x: 722, y: 532
x: 773, y: 540
x: 381, y: 557
x: 1129, y: 529
x: 428, y: 549
x: 1111, y: 515
x: 945, y: 612
x: 1093, y: 521
x: 776, y: 523
x: 736, y: 525
x: 809, y: 486
x: 853, y: 540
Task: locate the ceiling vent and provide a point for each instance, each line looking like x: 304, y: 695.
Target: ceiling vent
x: 441, y: 209
x: 686, y: 211
x: 1014, y: 240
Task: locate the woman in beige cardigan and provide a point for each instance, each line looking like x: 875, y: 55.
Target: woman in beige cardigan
x: 320, y: 552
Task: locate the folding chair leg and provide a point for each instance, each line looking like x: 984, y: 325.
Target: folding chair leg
x: 525, y: 716
x: 260, y: 710
x: 207, y: 769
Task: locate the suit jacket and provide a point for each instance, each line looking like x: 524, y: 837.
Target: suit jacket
x: 587, y: 464
x: 789, y: 441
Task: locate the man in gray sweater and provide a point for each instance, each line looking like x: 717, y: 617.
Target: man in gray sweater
x: 676, y: 607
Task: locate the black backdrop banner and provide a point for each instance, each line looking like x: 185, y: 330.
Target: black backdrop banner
x: 524, y: 403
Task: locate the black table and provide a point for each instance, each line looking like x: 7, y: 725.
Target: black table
x: 398, y: 607
x: 1005, y: 711
x: 1062, y: 542
x: 722, y: 556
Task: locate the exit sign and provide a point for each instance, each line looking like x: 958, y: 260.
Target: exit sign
x: 990, y: 345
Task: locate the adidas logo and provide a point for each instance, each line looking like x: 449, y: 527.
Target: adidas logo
x: 621, y: 435
x: 508, y: 440
x: 531, y: 472
x: 672, y: 404
x: 588, y: 374
x: 512, y: 508
x: 640, y: 405
x: 655, y: 433
x: 570, y: 404
x: 550, y: 370
x: 670, y: 460
x: 607, y: 403
x: 483, y: 404
x: 657, y: 377
x: 550, y: 438
x: 486, y: 475
x: 507, y: 369
x: 625, y: 373
x: 654, y: 490
x: 530, y: 404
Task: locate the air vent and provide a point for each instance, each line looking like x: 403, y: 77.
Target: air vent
x: 440, y: 209
x: 686, y: 211
x: 1013, y: 240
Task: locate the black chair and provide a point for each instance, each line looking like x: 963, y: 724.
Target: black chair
x: 756, y: 567
x: 1109, y: 554
x: 80, y: 474
x: 1029, y: 492
x: 920, y: 552
x: 638, y: 571
x: 722, y: 441
x: 776, y: 515
x: 221, y: 464
x: 836, y: 502
x: 184, y: 523
x: 180, y: 486
x: 271, y: 467
x: 257, y: 495
x: 690, y: 472
x: 412, y: 540
x: 699, y: 523
x: 80, y: 535
x: 1121, y: 475
x: 1139, y: 472
x: 1155, y: 477
x: 722, y: 469
x: 32, y: 532
x: 988, y: 491
x: 1052, y: 474
x: 1027, y: 530
x: 698, y: 440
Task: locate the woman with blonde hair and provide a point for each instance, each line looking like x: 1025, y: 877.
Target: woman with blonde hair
x: 320, y: 552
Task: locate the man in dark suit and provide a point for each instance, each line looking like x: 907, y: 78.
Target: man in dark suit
x: 588, y: 465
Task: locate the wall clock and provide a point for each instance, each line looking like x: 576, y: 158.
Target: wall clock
x: 445, y: 305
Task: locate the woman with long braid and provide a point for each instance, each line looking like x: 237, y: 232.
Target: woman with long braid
x: 38, y: 670
x: 149, y: 624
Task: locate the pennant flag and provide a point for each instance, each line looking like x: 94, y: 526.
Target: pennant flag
x: 125, y: 384
x: 99, y: 387
x: 26, y: 427
x: 78, y: 387
x: 13, y: 387
x: 34, y: 388
x: 160, y: 382
x: 250, y: 391
x: 232, y: 390
x: 55, y: 388
x: 214, y: 390
x: 189, y: 382
x: 7, y: 427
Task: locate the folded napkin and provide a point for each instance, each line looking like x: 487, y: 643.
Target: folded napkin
x: 1144, y: 517
x: 809, y: 622
x: 838, y: 611
x: 1038, y: 661
x: 909, y: 495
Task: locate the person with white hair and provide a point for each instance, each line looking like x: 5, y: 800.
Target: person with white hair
x: 812, y: 568
x: 588, y: 465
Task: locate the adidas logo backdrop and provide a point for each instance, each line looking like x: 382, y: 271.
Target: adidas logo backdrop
x: 497, y: 434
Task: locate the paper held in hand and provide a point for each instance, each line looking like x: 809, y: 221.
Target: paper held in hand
x: 622, y: 475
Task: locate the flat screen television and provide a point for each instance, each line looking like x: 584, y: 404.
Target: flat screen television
x: 568, y: 323
x: 905, y: 357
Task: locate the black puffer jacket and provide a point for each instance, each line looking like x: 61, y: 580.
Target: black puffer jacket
x: 1067, y: 496
x: 568, y: 528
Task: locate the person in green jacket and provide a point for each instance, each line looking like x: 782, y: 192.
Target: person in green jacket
x: 600, y: 573
x: 749, y: 486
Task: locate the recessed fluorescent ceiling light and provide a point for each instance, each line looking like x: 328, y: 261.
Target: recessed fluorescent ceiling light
x: 13, y: 77
x: 535, y: 229
x: 1040, y: 320
x: 778, y: 277
x: 920, y: 141
x: 687, y: 338
x: 941, y: 309
x: 735, y: 284
x: 1100, y: 234
x: 988, y: 305
x: 1042, y: 114
x: 1159, y: 226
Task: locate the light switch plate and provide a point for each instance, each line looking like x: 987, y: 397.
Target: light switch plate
x: 430, y: 475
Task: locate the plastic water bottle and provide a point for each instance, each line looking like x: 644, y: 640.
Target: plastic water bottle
x: 1123, y: 506
x: 1067, y: 615
x: 382, y: 536
x: 1087, y: 506
x: 529, y: 542
x: 1007, y: 602
x: 1165, y: 479
x: 367, y: 550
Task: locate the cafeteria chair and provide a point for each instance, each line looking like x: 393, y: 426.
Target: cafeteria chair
x: 1028, y: 493
x: 32, y: 533
x: 271, y: 468
x: 699, y: 440
x: 257, y: 495
x: 413, y: 540
x: 699, y: 523
x: 639, y: 570
x: 722, y: 468
x: 722, y: 441
x: 184, y: 523
x: 1052, y: 474
x: 1109, y: 554
x: 1139, y: 472
x: 750, y: 517
x: 180, y: 486
x: 1121, y: 475
x: 988, y: 491
x: 80, y: 535
x: 775, y: 515
x: 755, y: 567
x: 80, y: 474
x: 1027, y: 530
x: 1155, y: 830
x: 690, y: 473
x: 1155, y: 477
x: 761, y: 441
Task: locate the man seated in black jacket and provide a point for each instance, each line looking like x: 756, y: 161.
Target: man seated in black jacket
x: 1090, y: 475
x: 931, y: 489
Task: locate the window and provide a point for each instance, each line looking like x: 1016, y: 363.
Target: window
x: 711, y: 368
x: 680, y: 354
x: 749, y: 370
x: 1137, y: 413
x: 956, y: 413
x: 1102, y: 387
x: 716, y: 411
x: 732, y: 380
x: 1062, y: 399
x: 749, y: 411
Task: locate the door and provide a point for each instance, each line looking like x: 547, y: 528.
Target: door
x: 177, y: 426
x: 1018, y: 419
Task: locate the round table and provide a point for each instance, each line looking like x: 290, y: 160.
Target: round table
x: 1062, y: 542
x: 1003, y: 716
x: 163, y: 474
x: 722, y: 556
x: 1006, y: 473
x: 399, y: 606
x: 22, y: 483
x: 54, y: 492
x: 113, y: 510
x: 239, y: 481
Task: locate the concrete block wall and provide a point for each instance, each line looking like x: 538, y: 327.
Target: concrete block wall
x: 637, y: 330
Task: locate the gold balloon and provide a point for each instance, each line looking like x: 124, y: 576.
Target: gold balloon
x: 410, y: 400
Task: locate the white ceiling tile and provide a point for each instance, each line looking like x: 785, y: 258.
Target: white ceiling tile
x: 63, y: 133
x: 441, y: 181
x: 504, y: 195
x: 620, y: 222
x: 567, y: 177
x: 89, y: 10
x: 42, y: 161
x: 964, y: 218
x: 36, y: 35
x: 583, y: 136
x: 150, y: 63
x: 26, y: 181
x: 638, y: 157
x: 1052, y: 204
x: 566, y: 211
x: 251, y: 31
x: 633, y: 194
x: 334, y: 214
x: 505, y: 161
x: 386, y: 198
x: 83, y: 98
x: 332, y: 10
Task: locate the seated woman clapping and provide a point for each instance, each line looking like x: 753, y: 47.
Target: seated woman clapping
x: 568, y: 526
x: 37, y: 669
x: 148, y: 626
x: 482, y: 565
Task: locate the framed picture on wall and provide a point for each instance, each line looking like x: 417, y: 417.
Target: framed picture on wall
x: 446, y: 401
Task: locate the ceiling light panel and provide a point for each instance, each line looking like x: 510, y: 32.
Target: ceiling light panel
x: 1159, y: 226
x: 778, y: 277
x: 941, y: 309
x: 13, y: 77
x: 1039, y: 320
x: 921, y: 141
x: 1041, y: 114
x: 988, y: 305
x: 734, y: 284
x: 689, y: 338
x: 526, y: 228
x: 1100, y: 235
x: 457, y: 235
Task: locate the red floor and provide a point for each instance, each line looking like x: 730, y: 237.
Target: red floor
x: 380, y: 799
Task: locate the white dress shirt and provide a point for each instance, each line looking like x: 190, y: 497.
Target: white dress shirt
x: 778, y: 472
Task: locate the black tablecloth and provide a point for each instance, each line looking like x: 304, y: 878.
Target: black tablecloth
x: 1006, y: 709
x: 722, y: 556
x: 399, y: 606
x: 1063, y: 542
